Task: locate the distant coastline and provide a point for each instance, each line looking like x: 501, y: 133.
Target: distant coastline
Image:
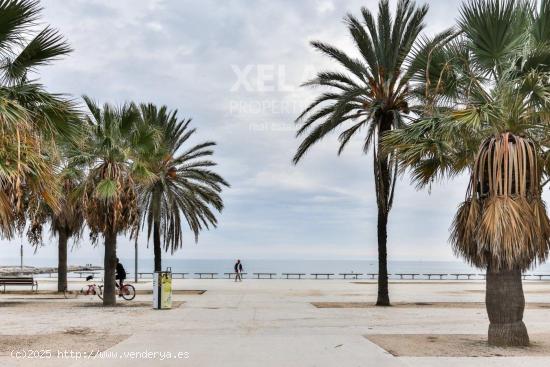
x: 265, y: 265
x: 29, y: 270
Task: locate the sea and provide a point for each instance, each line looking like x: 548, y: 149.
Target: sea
x: 284, y: 266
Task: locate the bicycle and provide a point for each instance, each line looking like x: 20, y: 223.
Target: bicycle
x: 128, y: 292
x: 87, y: 290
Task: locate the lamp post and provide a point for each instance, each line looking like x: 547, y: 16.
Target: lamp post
x: 136, y: 262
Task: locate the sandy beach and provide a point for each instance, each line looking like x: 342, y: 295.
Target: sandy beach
x: 271, y: 323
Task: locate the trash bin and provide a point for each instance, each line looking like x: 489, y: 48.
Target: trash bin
x: 162, y: 289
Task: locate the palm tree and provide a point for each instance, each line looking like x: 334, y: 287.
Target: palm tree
x: 503, y: 226
x: 69, y: 221
x: 374, y: 94
x: 182, y: 187
x: 31, y: 119
x: 487, y: 112
x: 65, y: 223
x: 109, y: 191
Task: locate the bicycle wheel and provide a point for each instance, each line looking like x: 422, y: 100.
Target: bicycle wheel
x: 70, y: 294
x: 100, y: 292
x: 86, y: 290
x: 128, y: 292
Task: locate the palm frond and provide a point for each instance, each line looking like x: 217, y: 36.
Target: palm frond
x: 503, y: 222
x: 372, y: 90
x: 47, y: 46
x: 181, y: 188
x: 496, y: 30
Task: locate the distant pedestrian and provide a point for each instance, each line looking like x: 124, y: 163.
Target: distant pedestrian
x: 238, y: 271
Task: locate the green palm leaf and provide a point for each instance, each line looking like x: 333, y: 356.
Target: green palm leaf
x: 181, y: 189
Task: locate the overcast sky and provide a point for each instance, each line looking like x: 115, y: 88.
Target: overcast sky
x: 235, y: 68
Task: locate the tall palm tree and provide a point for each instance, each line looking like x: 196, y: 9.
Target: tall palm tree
x: 487, y: 101
x: 69, y: 221
x: 65, y: 223
x: 109, y: 191
x: 31, y: 119
x: 182, y: 186
x: 372, y: 93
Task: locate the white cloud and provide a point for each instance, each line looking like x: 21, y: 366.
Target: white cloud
x: 157, y: 27
x: 325, y: 6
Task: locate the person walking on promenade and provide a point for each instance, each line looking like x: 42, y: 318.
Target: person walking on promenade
x: 238, y: 271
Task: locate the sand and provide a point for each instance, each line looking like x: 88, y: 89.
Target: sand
x: 448, y: 345
x: 75, y: 292
x: 80, y: 339
x: 474, y: 305
x: 49, y: 304
x: 55, y: 349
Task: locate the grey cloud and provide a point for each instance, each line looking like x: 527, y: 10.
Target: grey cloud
x: 181, y: 53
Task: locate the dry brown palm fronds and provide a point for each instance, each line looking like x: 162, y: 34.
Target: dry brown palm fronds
x: 541, y: 218
x: 465, y: 228
x: 503, y: 221
x: 506, y: 165
x: 26, y: 176
x: 6, y: 215
x: 508, y: 234
x: 67, y: 218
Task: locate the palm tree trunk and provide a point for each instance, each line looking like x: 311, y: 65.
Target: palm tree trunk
x: 383, y: 293
x: 109, y: 264
x: 156, y: 246
x: 505, y: 303
x: 62, y: 260
x: 382, y: 200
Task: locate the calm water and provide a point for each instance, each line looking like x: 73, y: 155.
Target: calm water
x: 287, y: 266
x: 315, y: 266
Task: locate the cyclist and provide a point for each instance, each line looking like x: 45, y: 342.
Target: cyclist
x: 120, y: 275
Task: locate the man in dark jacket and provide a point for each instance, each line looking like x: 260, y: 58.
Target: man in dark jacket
x: 238, y: 270
x: 120, y: 275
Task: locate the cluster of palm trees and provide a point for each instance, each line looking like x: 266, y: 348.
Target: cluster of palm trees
x: 112, y: 169
x: 473, y: 99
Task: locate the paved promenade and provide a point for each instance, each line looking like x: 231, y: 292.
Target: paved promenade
x: 262, y: 323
